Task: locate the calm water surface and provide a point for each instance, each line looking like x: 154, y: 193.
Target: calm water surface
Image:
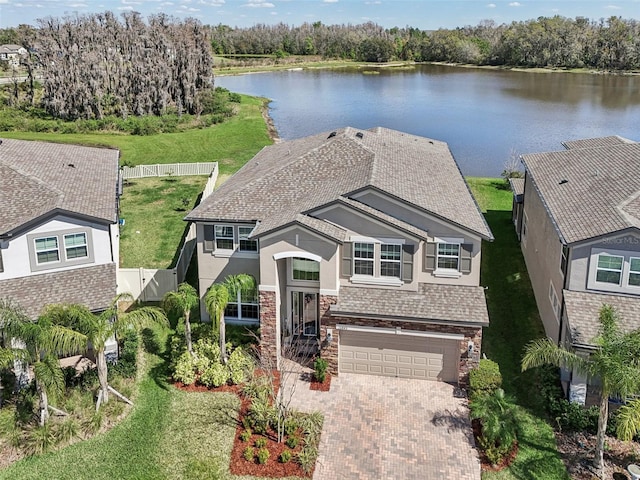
x: 484, y: 115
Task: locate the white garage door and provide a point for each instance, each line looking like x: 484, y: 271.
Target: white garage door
x: 401, y: 356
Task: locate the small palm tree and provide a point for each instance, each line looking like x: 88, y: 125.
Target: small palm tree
x: 217, y: 298
x: 98, y: 328
x: 498, y: 417
x: 43, y: 341
x: 615, y: 361
x: 184, y: 299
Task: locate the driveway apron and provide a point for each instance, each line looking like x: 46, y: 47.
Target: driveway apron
x: 391, y: 428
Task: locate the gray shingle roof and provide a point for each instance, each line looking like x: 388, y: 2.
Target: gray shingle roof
x: 583, y: 310
x: 596, y: 142
x: 517, y: 185
x: 286, y: 179
x: 600, y: 194
x: 431, y: 303
x: 36, y: 178
x: 92, y: 286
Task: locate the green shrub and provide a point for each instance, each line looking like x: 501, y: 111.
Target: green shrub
x: 292, y: 441
x: 240, y: 365
x: 40, y: 439
x: 320, y: 369
x: 285, y: 456
x: 248, y: 454
x: 257, y: 386
x: 485, y: 379
x: 498, y: 416
x: 127, y: 364
x: 201, y: 363
x: 263, y: 456
x: 184, y: 370
x: 207, y: 348
x: 215, y: 376
x: 68, y: 430
x: 307, y: 458
x: 261, y: 414
x: 261, y: 442
x: 245, y: 436
x: 291, y: 426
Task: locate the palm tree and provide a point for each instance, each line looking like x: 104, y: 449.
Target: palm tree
x: 98, y: 328
x: 217, y: 298
x: 498, y: 416
x: 43, y: 341
x: 615, y: 361
x: 184, y: 299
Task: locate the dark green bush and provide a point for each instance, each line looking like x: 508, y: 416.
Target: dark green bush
x: 246, y: 435
x: 285, y: 456
x: 292, y: 441
x: 261, y: 442
x: 127, y: 364
x: 263, y: 456
x: 248, y: 454
x: 320, y: 369
x: 485, y: 379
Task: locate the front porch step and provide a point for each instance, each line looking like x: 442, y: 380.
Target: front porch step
x: 301, y: 347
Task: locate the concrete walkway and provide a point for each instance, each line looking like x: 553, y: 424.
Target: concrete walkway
x: 389, y: 428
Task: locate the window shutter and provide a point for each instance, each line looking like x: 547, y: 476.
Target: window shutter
x: 208, y: 238
x: 1, y: 265
x: 346, y: 259
x: 407, y: 263
x: 430, y: 257
x: 466, y: 249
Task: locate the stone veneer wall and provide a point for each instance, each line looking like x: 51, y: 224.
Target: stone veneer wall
x: 268, y: 331
x: 467, y: 361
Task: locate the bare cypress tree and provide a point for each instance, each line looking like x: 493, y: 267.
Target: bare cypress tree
x: 96, y: 65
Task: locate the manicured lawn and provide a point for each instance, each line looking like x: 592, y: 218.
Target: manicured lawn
x: 514, y: 322
x: 153, y: 212
x: 231, y: 143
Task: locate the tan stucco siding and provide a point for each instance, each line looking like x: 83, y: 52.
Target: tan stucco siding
x: 297, y: 239
x: 542, y: 252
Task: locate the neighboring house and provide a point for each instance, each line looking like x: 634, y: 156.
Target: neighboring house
x: 365, y: 244
x: 577, y: 214
x: 59, y: 236
x: 12, y: 54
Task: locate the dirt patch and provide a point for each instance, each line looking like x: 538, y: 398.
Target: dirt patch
x: 577, y: 451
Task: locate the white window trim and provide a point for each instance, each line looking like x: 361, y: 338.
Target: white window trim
x: 386, y: 281
x: 371, y: 260
x: 251, y: 228
x: 623, y: 286
x: 215, y: 237
x: 295, y: 281
x: 64, y: 246
x: 630, y: 272
x: 63, y: 261
x: 398, y: 261
x: 448, y: 272
x: 605, y: 269
x: 57, y: 249
x: 554, y: 300
x: 376, y: 278
x: 238, y: 302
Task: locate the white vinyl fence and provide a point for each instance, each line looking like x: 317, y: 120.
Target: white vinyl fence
x: 169, y: 169
x: 150, y: 285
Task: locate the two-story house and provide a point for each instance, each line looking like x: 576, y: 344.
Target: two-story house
x: 12, y: 54
x: 577, y: 214
x: 59, y: 235
x: 366, y: 242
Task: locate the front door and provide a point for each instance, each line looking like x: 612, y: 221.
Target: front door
x: 304, y: 313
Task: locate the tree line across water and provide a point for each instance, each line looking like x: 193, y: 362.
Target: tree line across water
x: 611, y: 44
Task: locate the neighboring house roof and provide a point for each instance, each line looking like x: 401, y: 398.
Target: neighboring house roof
x: 92, y: 286
x: 37, y: 178
x: 11, y: 48
x: 517, y: 187
x: 287, y: 179
x: 596, y: 142
x: 431, y: 303
x: 583, y: 312
x: 589, y: 192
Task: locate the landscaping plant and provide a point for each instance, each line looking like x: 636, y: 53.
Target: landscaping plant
x: 498, y: 419
x: 320, y: 369
x: 184, y: 299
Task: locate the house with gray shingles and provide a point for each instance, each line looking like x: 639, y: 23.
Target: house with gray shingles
x: 59, y: 235
x: 12, y: 54
x: 577, y: 214
x: 365, y: 244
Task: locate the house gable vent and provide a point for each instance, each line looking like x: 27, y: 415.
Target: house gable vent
x: 332, y: 134
x: 359, y: 134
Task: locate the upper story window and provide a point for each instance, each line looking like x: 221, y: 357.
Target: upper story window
x: 390, y: 260
x: 59, y: 249
x: 305, y: 269
x: 380, y: 261
x: 224, y: 237
x: 245, y: 244
x: 227, y: 238
x: 47, y: 250
x: 614, y: 270
x: 448, y: 257
x: 75, y: 245
x: 609, y: 269
x: 363, y: 258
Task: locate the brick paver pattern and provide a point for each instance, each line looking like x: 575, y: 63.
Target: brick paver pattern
x: 382, y: 428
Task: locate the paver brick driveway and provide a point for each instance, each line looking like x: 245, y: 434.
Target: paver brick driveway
x: 391, y: 428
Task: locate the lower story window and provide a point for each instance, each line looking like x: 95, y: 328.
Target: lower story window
x: 244, y: 306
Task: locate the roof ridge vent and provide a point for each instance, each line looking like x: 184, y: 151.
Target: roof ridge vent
x: 359, y: 134
x: 332, y: 134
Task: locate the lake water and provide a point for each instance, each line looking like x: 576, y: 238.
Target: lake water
x: 484, y: 115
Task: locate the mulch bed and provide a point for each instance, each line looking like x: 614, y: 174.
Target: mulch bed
x: 321, y: 387
x: 238, y: 465
x: 577, y: 448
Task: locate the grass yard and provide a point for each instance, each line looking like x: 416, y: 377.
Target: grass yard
x: 231, y: 143
x: 153, y: 211
x: 514, y: 322
x: 169, y: 434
